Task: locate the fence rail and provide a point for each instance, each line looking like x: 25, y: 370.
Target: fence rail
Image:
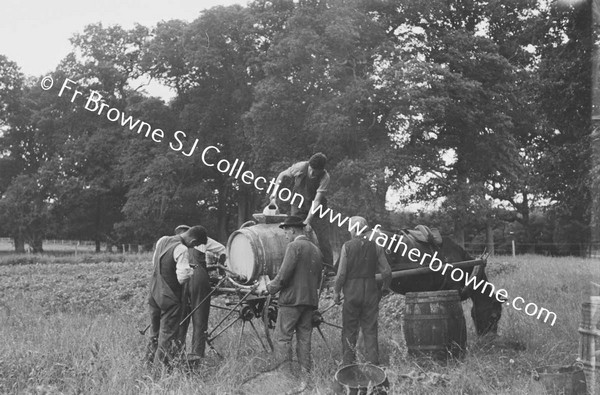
x: 588, y: 249
x: 75, y: 246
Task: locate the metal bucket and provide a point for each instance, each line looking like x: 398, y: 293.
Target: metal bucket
x: 563, y: 380
x: 361, y: 379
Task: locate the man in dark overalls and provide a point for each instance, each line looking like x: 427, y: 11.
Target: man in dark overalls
x: 360, y: 259
x: 311, y: 180
x: 196, y: 291
x: 171, y: 270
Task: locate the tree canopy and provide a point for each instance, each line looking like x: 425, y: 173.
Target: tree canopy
x: 481, y: 106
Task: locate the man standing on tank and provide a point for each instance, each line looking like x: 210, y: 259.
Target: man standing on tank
x: 360, y: 259
x: 171, y: 270
x: 311, y: 180
x: 297, y: 282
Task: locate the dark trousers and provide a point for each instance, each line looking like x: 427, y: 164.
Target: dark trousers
x: 292, y: 319
x: 360, y: 311
x: 164, y: 329
x: 194, y: 292
x: 321, y: 228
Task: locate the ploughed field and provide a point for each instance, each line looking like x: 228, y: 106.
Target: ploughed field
x: 73, y: 327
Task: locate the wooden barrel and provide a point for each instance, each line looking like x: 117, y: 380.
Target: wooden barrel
x: 589, y: 343
x: 258, y: 250
x: 434, y: 325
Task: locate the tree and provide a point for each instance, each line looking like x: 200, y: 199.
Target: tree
x: 465, y: 106
x: 28, y: 141
x: 319, y: 94
x: 564, y: 95
x: 11, y: 82
x: 212, y: 63
x: 90, y: 191
x: 25, y: 212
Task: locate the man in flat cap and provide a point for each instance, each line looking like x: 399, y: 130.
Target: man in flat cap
x: 196, y: 291
x: 360, y: 259
x: 297, y: 282
x: 171, y: 270
x: 311, y: 181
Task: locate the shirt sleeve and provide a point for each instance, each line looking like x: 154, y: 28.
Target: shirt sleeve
x: 294, y: 170
x: 212, y: 249
x: 182, y: 268
x: 286, y: 270
x: 324, y: 183
x: 340, y: 279
x: 384, y: 268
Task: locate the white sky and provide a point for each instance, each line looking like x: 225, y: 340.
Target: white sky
x: 35, y: 33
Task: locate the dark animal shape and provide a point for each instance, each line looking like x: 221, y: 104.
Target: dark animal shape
x: 486, y: 311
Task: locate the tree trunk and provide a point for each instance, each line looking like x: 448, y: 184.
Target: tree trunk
x: 459, y: 233
x: 36, y: 244
x: 461, y: 203
x: 525, y: 222
x: 222, y: 227
x: 246, y: 205
x: 97, y: 223
x: 222, y: 214
x: 19, y: 243
x: 489, y: 237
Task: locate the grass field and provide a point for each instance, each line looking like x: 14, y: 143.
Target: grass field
x: 73, y: 328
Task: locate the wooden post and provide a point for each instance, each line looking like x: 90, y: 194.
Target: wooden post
x: 595, y: 133
x: 588, y: 338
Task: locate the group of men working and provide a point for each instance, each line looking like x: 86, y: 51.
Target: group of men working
x: 298, y: 280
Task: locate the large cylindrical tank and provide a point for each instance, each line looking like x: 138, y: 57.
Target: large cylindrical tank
x: 258, y: 250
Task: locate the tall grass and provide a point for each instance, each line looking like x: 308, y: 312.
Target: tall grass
x: 73, y: 328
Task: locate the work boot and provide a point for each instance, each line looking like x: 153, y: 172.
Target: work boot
x: 151, y: 351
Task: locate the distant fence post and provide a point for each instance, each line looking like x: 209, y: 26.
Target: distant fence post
x: 512, y: 239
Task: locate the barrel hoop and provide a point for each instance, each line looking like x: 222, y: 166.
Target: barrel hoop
x: 428, y: 348
x: 454, y: 298
x: 419, y: 317
x: 261, y: 252
x: 433, y: 293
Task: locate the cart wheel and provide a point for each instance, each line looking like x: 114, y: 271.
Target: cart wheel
x: 269, y: 317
